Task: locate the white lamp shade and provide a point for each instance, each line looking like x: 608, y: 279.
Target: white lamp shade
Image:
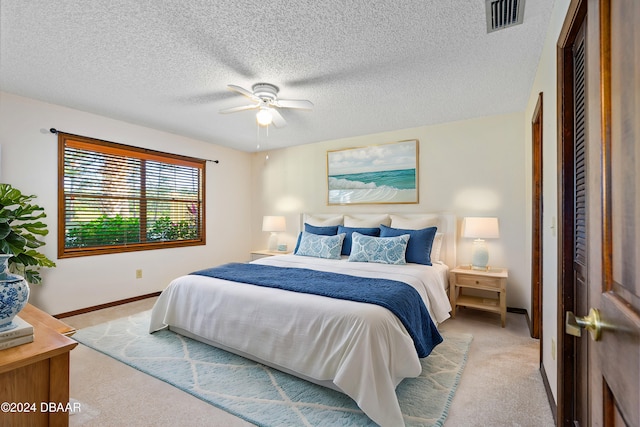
x: 480, y: 228
x: 274, y: 223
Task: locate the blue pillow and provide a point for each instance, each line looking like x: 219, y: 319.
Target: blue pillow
x: 319, y: 246
x: 383, y: 250
x: 329, y: 230
x: 419, y: 247
x: 346, y: 246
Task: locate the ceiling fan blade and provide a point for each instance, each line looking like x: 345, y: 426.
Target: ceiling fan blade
x: 244, y: 92
x: 242, y: 108
x: 278, y: 120
x: 294, y: 103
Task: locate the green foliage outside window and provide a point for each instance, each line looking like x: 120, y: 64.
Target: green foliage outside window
x: 105, y: 231
x: 165, y: 229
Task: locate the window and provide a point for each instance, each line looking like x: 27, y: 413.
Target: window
x: 116, y: 198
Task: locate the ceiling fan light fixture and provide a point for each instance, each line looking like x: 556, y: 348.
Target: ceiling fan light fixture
x: 265, y: 100
x: 264, y: 117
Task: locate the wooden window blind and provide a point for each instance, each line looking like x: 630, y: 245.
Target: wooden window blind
x: 117, y: 198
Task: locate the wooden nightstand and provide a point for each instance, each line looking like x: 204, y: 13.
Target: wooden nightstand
x: 38, y: 372
x: 494, y: 280
x: 265, y: 253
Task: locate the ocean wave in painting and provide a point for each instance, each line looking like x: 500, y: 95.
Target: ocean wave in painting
x: 404, y: 179
x: 374, y: 187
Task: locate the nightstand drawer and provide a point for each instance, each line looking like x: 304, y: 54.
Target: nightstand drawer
x: 478, y: 282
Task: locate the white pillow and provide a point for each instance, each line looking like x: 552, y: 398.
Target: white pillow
x: 366, y: 221
x: 436, y: 247
x: 417, y: 223
x: 321, y: 221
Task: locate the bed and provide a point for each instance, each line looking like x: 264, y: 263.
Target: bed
x: 359, y: 348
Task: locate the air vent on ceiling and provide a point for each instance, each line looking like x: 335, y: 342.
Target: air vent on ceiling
x: 503, y: 13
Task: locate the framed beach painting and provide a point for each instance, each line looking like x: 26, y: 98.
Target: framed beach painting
x: 385, y: 173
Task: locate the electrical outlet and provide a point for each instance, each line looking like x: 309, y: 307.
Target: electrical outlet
x: 553, y: 348
x: 138, y: 274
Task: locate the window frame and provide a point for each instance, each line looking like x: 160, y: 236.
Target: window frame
x: 97, y: 145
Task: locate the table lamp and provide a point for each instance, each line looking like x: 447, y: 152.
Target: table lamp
x: 273, y: 224
x: 479, y: 229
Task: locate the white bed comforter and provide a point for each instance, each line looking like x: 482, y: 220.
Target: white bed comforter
x: 363, y: 349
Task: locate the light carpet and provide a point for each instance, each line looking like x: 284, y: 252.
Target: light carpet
x: 266, y: 396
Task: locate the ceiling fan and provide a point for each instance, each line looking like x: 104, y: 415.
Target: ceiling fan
x: 265, y: 98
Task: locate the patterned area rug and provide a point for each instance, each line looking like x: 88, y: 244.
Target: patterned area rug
x: 265, y: 396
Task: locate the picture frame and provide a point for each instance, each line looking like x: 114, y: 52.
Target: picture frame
x: 377, y: 174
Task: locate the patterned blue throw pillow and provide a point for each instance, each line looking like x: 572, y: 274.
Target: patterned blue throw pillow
x: 383, y: 250
x: 319, y: 246
x: 346, y: 246
x: 330, y: 230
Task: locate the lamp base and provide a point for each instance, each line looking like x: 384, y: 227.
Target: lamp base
x: 479, y: 255
x: 273, y: 241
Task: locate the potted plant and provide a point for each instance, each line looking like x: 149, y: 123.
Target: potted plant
x: 20, y: 227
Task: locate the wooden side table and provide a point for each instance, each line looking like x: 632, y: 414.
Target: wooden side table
x: 494, y: 280
x: 35, y: 376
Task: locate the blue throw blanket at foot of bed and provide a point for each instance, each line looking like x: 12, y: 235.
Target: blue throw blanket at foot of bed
x: 398, y: 297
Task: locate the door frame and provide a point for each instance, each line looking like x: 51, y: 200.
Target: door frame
x: 536, y: 219
x: 566, y: 293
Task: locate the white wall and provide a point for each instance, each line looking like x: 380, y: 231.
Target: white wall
x: 29, y: 162
x: 471, y: 168
x: 546, y: 82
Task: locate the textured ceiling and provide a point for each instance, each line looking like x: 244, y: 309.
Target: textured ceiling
x: 368, y: 66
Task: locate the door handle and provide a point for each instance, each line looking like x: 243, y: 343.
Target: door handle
x: 592, y: 323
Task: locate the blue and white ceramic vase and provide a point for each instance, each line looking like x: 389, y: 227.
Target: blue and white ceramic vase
x: 14, y: 294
